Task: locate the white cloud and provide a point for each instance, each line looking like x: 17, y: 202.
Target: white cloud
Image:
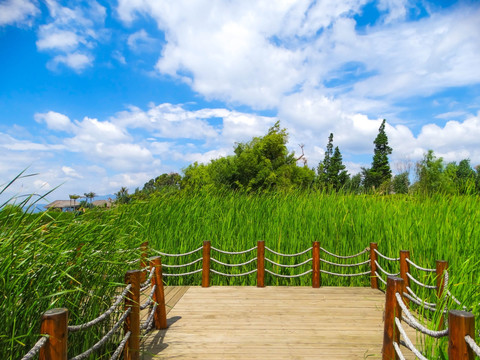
x: 141, y: 41
x: 76, y: 61
x: 71, y: 172
x: 55, y: 121
x: 20, y: 12
x: 72, y: 33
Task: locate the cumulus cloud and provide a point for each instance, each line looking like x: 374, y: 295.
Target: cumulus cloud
x: 55, y: 121
x: 20, y: 12
x: 72, y: 33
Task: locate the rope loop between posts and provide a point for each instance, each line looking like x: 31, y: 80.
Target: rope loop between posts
x: 36, y: 348
x: 380, y: 278
x: 418, y: 267
x: 408, y: 342
x: 106, y: 314
x: 344, y: 256
x: 178, y: 255
x: 412, y: 322
x: 233, y: 275
x: 344, y: 275
x: 345, y: 265
x: 412, y: 293
x: 385, y: 257
x: 149, y: 322
x: 233, y: 265
x: 473, y: 345
x: 150, y: 299
x: 419, y: 283
x: 184, y: 274
x: 385, y: 271
x: 233, y: 252
x: 120, y: 347
x: 146, y: 284
x: 103, y: 340
x: 288, y: 266
x: 455, y: 300
x: 182, y: 265
x: 288, y: 255
x: 398, y: 351
x: 288, y: 276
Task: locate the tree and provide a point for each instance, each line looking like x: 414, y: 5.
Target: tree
x: 74, y: 197
x: 331, y: 171
x: 401, y: 183
x: 380, y: 171
x: 122, y: 196
x: 90, y: 196
x: 430, y: 174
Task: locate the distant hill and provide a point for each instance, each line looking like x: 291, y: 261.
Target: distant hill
x: 39, y: 207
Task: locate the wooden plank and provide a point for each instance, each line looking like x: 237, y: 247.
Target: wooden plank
x: 271, y: 323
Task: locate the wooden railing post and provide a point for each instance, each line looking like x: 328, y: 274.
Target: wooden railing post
x: 160, y: 316
x: 392, y: 310
x: 441, y: 267
x: 316, y: 280
x: 373, y: 266
x: 461, y: 323
x: 143, y: 260
x: 206, y: 264
x: 132, y: 322
x: 261, y: 263
x: 55, y: 324
x: 404, y: 269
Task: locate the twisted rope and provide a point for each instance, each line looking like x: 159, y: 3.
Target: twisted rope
x: 36, y: 348
x: 120, y: 347
x: 419, y: 283
x: 415, y: 324
x: 74, y: 328
x: 344, y: 275
x: 143, y: 288
x: 288, y: 266
x: 233, y: 275
x: 380, y: 278
x: 233, y: 252
x: 103, y: 340
x: 184, y: 274
x: 177, y: 255
x: 419, y: 302
x: 150, y: 276
x: 418, y: 298
x: 408, y: 343
x: 233, y: 265
x: 385, y: 257
x: 345, y: 265
x: 288, y: 255
x: 473, y: 345
x: 398, y: 351
x: 418, y: 267
x: 288, y: 276
x: 150, y: 299
x: 342, y: 256
x: 182, y: 265
x: 384, y: 271
x: 148, y: 323
x: 456, y: 300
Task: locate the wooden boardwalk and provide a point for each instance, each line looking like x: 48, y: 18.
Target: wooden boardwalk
x: 269, y: 323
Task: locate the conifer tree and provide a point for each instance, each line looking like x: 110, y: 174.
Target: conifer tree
x: 380, y: 170
x: 331, y: 171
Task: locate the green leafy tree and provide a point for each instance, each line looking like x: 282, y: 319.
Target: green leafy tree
x: 430, y: 174
x: 401, y: 183
x: 380, y: 171
x: 122, y: 196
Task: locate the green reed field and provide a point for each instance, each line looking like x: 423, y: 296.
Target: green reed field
x: 59, y: 260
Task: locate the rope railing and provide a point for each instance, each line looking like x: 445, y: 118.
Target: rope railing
x: 36, y: 348
x: 344, y: 275
x: 233, y: 265
x: 105, y: 315
x: 121, y: 346
x: 104, y: 339
x: 288, y: 255
x: 149, y: 298
x: 345, y: 265
x: 233, y: 275
x: 288, y: 276
x: 419, y: 283
x: 182, y: 265
x: 288, y: 266
x: 385, y: 271
x: 460, y: 332
x: 146, y: 283
x: 385, y: 257
x: 418, y: 267
x: 178, y: 255
x: 233, y: 252
x: 345, y: 256
x: 184, y: 274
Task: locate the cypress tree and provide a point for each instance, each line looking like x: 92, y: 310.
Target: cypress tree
x: 380, y: 170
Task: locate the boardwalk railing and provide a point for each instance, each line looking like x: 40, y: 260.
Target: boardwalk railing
x: 53, y: 344
x: 262, y: 259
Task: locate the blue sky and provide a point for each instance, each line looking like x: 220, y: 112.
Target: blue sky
x: 96, y: 95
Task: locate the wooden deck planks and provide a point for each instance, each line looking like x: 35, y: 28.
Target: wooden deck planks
x: 269, y: 323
